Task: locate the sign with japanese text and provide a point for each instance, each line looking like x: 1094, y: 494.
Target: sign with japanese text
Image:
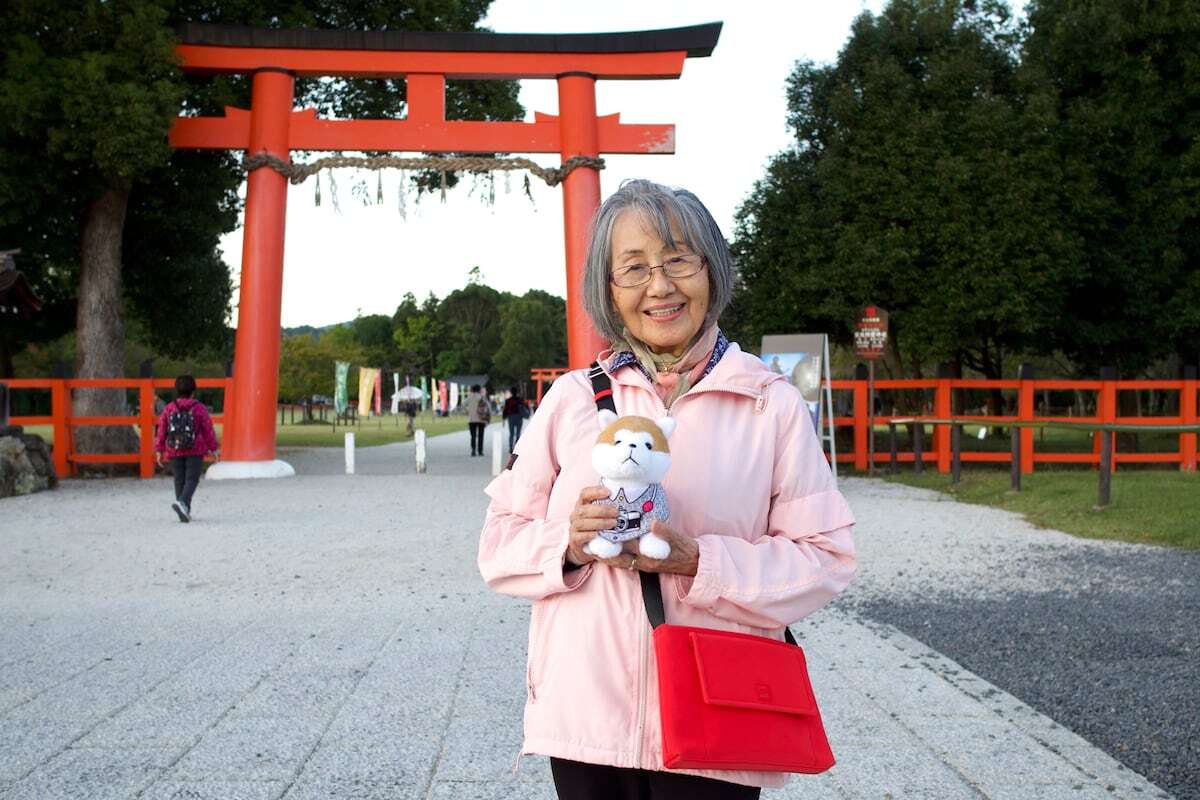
x: 871, y: 332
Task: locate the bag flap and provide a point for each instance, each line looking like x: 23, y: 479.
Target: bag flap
x: 746, y: 671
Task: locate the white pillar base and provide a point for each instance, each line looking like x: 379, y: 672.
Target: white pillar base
x: 236, y: 470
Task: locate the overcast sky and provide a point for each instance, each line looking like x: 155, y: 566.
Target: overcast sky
x: 729, y: 113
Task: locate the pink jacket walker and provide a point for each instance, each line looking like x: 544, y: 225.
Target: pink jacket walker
x: 748, y: 480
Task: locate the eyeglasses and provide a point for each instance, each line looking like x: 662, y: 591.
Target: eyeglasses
x: 681, y: 266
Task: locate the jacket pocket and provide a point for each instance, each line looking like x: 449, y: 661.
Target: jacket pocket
x: 539, y: 634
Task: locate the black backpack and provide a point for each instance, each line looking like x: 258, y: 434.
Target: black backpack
x: 181, y: 428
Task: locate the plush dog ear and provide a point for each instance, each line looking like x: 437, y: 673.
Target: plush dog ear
x: 606, y: 418
x: 666, y: 425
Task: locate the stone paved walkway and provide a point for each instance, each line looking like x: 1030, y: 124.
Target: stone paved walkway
x: 328, y: 636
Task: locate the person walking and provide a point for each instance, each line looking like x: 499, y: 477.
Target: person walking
x: 185, y: 436
x: 760, y: 536
x: 515, y: 412
x: 479, y: 414
x: 410, y: 411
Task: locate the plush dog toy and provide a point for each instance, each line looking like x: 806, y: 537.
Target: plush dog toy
x: 632, y: 457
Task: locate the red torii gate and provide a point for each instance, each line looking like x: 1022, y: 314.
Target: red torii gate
x: 425, y: 60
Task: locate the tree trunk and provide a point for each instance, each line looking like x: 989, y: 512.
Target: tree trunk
x: 6, y: 356
x: 99, y: 329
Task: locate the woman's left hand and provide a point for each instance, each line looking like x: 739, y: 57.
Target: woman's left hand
x: 683, y: 559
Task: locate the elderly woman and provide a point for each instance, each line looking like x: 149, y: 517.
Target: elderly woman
x: 759, y: 536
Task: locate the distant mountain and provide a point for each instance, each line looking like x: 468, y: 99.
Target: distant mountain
x: 309, y: 330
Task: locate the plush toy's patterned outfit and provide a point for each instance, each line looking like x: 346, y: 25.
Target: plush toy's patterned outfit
x: 634, y: 516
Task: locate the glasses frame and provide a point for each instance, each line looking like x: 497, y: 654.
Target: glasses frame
x: 612, y: 277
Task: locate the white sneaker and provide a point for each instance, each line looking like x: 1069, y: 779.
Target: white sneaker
x: 184, y: 513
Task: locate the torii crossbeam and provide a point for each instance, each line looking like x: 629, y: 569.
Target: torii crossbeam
x: 425, y: 61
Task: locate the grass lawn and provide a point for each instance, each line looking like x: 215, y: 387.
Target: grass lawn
x: 382, y: 430
x: 367, y: 433
x: 1151, y: 506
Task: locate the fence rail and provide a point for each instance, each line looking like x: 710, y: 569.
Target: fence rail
x: 940, y: 405
x: 63, y: 421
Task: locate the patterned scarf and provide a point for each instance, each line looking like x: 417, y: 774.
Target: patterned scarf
x: 672, y: 376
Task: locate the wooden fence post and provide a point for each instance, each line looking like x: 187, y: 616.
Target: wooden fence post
x: 919, y: 447
x: 860, y: 417
x: 60, y: 404
x: 1106, y: 410
x: 146, y: 426
x: 1106, y: 451
x: 1025, y: 409
x: 955, y: 453
x: 1188, y: 416
x: 943, y: 408
x: 892, y: 467
x: 1016, y: 458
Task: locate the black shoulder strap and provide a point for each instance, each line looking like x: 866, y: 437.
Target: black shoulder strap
x: 651, y: 588
x: 601, y: 388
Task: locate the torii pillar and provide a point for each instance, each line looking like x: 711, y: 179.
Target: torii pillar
x: 425, y: 60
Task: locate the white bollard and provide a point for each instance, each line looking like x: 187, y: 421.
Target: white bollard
x: 419, y: 440
x: 497, y: 446
x: 350, y: 453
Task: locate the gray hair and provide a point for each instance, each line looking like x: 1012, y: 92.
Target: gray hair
x: 660, y: 206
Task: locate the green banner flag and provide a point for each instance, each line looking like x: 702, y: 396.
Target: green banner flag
x: 341, y: 397
x: 424, y: 393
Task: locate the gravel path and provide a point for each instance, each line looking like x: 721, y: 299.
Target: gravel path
x: 328, y: 636
x: 1101, y: 637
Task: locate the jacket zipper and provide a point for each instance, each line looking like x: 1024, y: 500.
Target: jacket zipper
x: 760, y: 402
x: 643, y: 668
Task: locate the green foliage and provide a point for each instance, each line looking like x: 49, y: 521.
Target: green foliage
x: 470, y: 324
x: 1002, y: 190
x: 373, y: 333
x: 533, y: 335
x: 306, y: 363
x: 474, y: 330
x: 1128, y: 136
x: 916, y: 183
x: 88, y: 91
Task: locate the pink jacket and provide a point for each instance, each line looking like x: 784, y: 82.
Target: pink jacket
x: 748, y: 480
x: 206, y: 438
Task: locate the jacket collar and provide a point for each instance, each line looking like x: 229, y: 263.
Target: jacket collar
x: 626, y: 358
x: 729, y: 369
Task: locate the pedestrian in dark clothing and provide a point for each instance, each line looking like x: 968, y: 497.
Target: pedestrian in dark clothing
x: 410, y: 411
x: 479, y: 414
x: 185, y: 436
x: 515, y: 413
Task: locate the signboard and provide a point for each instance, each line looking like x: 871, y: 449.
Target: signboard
x: 871, y: 333
x: 804, y: 359
x: 801, y: 358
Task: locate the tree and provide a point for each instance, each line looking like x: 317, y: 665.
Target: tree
x: 87, y: 95
x: 470, y: 319
x: 923, y: 179
x: 1128, y: 136
x: 373, y: 333
x: 533, y: 334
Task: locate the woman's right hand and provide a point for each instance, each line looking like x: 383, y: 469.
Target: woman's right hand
x: 587, y: 519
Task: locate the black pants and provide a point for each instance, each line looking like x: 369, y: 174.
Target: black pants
x: 477, y: 436
x: 576, y: 781
x: 514, y: 430
x: 187, y: 474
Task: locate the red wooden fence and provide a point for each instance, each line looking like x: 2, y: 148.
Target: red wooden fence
x: 65, y: 457
x: 1106, y: 413
x: 64, y: 422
